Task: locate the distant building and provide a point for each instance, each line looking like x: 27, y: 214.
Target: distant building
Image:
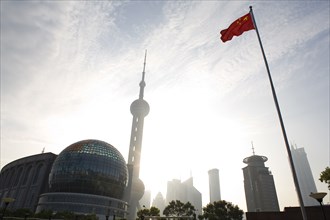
x: 146, y: 199
x: 159, y: 202
x: 305, y: 176
x: 25, y: 179
x: 214, y: 185
x: 185, y: 192
x: 260, y: 192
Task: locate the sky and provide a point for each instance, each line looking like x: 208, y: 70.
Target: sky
x: 71, y: 69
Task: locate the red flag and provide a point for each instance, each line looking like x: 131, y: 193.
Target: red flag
x: 239, y: 26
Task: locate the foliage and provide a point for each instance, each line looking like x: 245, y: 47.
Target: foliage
x: 222, y: 210
x: 178, y: 208
x: 325, y: 176
x: 153, y: 211
x: 142, y: 213
x: 46, y: 214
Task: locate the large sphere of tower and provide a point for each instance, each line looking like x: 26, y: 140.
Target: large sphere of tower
x: 140, y: 107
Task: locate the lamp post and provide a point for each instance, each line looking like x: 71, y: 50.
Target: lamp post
x: 319, y: 197
x: 6, y: 200
x: 107, y: 214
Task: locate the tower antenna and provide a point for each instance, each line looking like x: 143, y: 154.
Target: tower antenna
x: 252, y: 148
x: 142, y: 83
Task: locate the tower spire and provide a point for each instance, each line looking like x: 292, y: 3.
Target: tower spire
x: 142, y: 83
x: 252, y: 148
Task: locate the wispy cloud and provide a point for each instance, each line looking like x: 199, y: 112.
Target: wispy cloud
x: 70, y: 69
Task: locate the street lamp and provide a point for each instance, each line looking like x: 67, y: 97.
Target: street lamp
x: 319, y: 197
x: 6, y: 200
x: 107, y: 214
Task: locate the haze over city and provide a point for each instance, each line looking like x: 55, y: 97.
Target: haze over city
x: 71, y: 69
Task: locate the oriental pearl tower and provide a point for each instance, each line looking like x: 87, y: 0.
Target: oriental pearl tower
x: 135, y: 188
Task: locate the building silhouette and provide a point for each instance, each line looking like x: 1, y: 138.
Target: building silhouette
x: 260, y: 192
x: 89, y: 176
x: 304, y: 175
x: 185, y: 192
x: 159, y: 202
x: 135, y: 190
x: 214, y: 185
x: 145, y: 201
x: 25, y: 179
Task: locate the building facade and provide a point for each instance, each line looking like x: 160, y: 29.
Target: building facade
x: 25, y: 179
x: 304, y: 175
x: 260, y: 192
x: 214, y: 185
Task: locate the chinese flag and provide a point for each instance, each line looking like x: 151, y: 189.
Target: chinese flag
x: 239, y: 26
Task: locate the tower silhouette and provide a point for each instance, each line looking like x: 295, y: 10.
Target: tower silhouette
x: 214, y: 185
x: 304, y: 174
x: 135, y: 189
x: 260, y: 191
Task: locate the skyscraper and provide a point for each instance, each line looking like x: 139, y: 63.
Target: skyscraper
x: 135, y: 189
x: 185, y: 192
x: 146, y: 199
x: 260, y: 192
x: 214, y: 185
x: 305, y: 176
x: 159, y: 202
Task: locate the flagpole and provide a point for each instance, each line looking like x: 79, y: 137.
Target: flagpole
x: 294, y: 174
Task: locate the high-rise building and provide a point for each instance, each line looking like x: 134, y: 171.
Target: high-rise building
x: 260, y: 192
x: 135, y: 190
x: 159, y: 202
x: 146, y: 199
x: 214, y: 185
x: 304, y: 175
x: 185, y: 192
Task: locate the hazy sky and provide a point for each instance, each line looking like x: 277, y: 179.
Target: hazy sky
x: 70, y: 70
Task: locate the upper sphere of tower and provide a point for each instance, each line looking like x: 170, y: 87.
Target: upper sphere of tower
x: 140, y: 107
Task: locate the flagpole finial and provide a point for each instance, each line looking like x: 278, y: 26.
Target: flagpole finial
x: 250, y: 8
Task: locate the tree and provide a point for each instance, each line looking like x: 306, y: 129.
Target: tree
x: 325, y: 176
x: 153, y: 211
x: 222, y: 210
x: 178, y: 208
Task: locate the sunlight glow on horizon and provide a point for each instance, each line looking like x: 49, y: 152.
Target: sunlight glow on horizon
x: 70, y: 70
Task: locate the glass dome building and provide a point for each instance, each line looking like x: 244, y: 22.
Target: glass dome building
x: 87, y: 177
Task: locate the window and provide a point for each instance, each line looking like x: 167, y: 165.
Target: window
x: 36, y: 175
x: 27, y: 173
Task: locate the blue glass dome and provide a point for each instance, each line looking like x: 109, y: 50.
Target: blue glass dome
x: 90, y: 167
